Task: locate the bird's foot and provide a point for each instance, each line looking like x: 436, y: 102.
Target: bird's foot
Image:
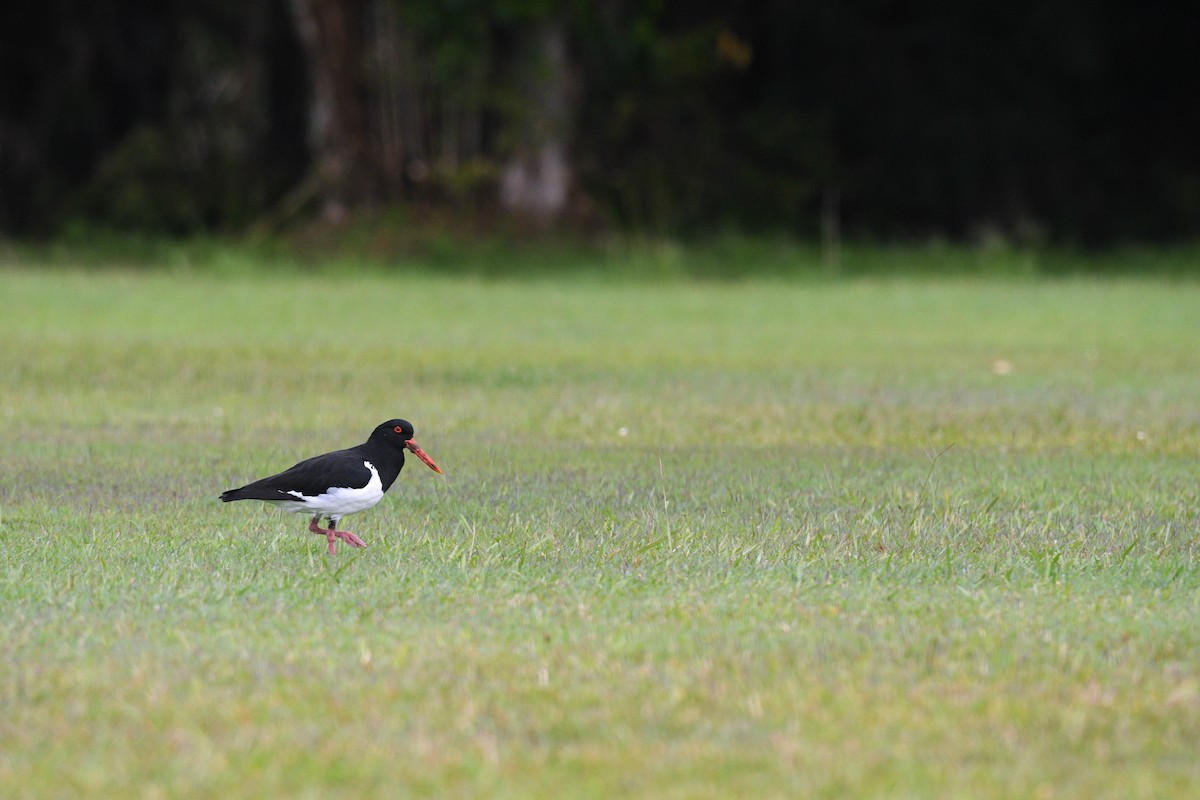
x: 350, y: 539
x: 332, y: 534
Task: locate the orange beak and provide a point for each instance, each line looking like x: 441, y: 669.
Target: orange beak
x: 419, y: 453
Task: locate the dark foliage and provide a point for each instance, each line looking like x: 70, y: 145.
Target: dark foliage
x: 1042, y: 121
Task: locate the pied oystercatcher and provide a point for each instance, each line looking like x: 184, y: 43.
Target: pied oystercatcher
x: 339, y: 483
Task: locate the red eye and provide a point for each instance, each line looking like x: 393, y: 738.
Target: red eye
x: 398, y: 429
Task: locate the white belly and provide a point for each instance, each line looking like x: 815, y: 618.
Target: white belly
x: 336, y: 502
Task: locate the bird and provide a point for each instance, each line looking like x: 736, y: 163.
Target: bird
x: 339, y: 483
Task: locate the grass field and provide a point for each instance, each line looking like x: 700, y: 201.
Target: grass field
x: 824, y: 538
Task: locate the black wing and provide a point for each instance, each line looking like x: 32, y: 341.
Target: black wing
x: 311, y: 477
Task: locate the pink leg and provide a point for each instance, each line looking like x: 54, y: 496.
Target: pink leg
x: 332, y: 534
x: 346, y: 536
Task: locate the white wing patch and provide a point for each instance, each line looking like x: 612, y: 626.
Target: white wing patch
x: 337, y: 501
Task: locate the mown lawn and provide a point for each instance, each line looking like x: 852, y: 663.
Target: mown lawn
x: 815, y: 538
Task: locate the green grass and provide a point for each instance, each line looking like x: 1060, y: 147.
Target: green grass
x: 825, y: 538
x: 392, y: 241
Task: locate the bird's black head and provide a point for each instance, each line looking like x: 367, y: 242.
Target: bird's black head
x: 394, y: 431
x: 399, y: 433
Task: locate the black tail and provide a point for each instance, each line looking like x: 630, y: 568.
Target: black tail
x: 232, y: 494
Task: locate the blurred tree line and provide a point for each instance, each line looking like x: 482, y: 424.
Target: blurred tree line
x: 1058, y: 120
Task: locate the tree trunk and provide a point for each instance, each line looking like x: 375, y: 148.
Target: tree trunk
x: 536, y: 179
x: 331, y: 35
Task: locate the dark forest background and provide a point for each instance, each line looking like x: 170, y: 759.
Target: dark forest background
x: 1062, y: 121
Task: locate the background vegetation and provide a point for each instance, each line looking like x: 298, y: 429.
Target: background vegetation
x: 1039, y: 122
